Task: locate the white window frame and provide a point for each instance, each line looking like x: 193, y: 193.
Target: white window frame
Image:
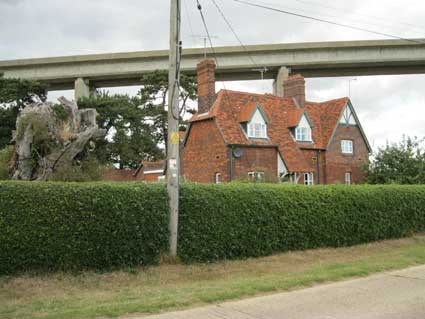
x: 256, y: 176
x: 347, y: 146
x: 348, y: 178
x: 257, y: 130
x: 308, y: 178
x: 303, y: 134
x: 218, y: 178
x: 161, y: 178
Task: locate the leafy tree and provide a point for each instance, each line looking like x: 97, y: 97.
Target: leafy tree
x: 154, y: 97
x: 137, y: 126
x: 398, y: 163
x: 14, y: 95
x: 128, y: 137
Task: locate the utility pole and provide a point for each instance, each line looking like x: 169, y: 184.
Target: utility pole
x: 173, y: 140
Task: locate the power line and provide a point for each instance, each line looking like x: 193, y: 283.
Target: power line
x: 362, y: 20
x: 212, y: 47
x: 359, y: 14
x: 188, y: 18
x: 207, y: 31
x: 234, y: 33
x: 252, y: 4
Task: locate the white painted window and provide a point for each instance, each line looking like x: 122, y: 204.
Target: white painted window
x: 303, y: 134
x: 257, y: 130
x: 256, y: 176
x: 217, y: 178
x: 303, y: 130
x: 348, y: 178
x: 308, y: 179
x: 257, y: 127
x: 347, y: 146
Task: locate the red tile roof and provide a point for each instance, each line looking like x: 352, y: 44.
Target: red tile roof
x: 247, y: 111
x: 294, y: 117
x: 232, y: 107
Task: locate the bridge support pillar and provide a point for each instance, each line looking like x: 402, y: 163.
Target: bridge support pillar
x: 282, y: 75
x: 82, y: 88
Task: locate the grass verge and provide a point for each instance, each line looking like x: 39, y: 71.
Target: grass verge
x: 167, y: 287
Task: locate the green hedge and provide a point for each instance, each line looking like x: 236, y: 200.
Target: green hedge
x: 59, y: 226
x: 73, y: 226
x: 244, y: 220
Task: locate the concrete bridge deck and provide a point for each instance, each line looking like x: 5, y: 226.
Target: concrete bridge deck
x: 319, y: 59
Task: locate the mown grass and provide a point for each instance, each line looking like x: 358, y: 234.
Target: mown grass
x: 156, y: 289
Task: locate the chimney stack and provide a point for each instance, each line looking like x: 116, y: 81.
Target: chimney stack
x: 206, y: 85
x: 294, y: 87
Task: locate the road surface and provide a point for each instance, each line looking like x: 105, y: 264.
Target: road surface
x: 399, y: 294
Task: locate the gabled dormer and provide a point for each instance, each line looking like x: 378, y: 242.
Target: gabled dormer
x: 254, y: 121
x: 301, y: 129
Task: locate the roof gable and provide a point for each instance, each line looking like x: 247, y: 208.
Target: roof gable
x: 304, y: 119
x: 348, y: 113
x: 248, y: 112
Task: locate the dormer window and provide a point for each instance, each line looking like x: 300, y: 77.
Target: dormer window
x: 303, y: 134
x: 257, y: 125
x: 257, y: 130
x: 303, y: 130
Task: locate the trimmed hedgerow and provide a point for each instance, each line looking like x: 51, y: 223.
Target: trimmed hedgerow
x: 244, y: 220
x: 74, y: 226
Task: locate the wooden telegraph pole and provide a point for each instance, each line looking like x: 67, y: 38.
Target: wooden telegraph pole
x: 173, y: 160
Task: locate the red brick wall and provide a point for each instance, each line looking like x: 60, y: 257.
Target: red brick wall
x: 205, y: 154
x: 151, y: 178
x: 312, y: 157
x: 256, y: 160
x: 337, y: 164
x: 121, y: 175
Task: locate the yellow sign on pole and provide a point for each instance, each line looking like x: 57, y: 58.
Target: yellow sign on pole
x: 174, y: 138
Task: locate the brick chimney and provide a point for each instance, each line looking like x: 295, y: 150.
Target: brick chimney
x: 206, y: 85
x: 294, y: 87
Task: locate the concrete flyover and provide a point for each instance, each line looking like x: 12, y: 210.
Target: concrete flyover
x: 321, y: 59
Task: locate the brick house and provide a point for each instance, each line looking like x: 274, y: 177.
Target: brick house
x: 238, y: 135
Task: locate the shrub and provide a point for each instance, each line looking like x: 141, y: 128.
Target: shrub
x: 245, y: 220
x: 73, y: 226
x: 59, y: 226
x: 5, y: 159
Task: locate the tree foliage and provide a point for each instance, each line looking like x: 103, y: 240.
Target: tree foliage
x: 14, y: 95
x: 398, y: 163
x: 128, y: 137
x: 137, y: 126
x: 153, y: 96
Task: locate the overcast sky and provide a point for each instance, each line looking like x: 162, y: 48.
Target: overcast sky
x: 388, y: 106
